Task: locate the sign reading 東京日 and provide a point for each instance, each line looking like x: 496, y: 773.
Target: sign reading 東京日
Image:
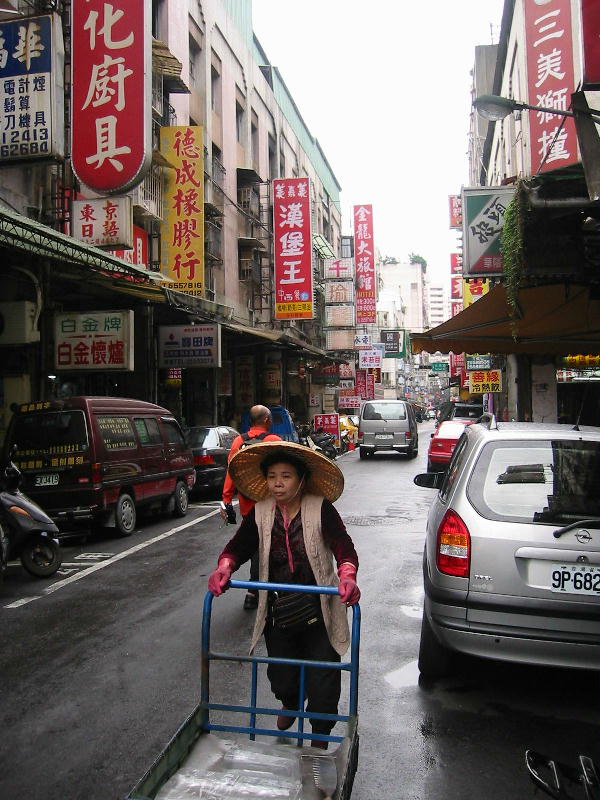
x: 31, y: 88
x: 483, y: 219
x: 111, y: 74
x: 292, y: 239
x: 107, y: 222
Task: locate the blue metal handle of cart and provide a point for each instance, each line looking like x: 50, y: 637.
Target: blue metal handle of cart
x: 352, y: 666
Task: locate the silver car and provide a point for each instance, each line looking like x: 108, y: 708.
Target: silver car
x: 512, y: 555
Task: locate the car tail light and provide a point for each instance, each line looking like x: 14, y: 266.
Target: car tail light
x: 203, y: 460
x: 453, y: 546
x: 96, y: 473
x: 407, y: 435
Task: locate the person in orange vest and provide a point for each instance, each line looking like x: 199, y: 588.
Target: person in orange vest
x: 260, y: 425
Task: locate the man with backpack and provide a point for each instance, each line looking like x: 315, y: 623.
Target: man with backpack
x: 260, y: 424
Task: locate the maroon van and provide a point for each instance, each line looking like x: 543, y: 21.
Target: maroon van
x: 96, y: 460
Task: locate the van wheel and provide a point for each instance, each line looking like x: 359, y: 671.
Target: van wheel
x: 435, y: 660
x: 181, y: 500
x: 413, y: 453
x: 125, y: 515
x: 363, y: 453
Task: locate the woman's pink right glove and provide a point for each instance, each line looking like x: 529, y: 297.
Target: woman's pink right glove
x: 348, y: 589
x: 217, y: 581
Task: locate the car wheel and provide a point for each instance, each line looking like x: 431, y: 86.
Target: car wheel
x: 435, y: 660
x: 181, y: 500
x: 125, y: 515
x: 363, y: 453
x: 413, y: 453
x: 41, y: 556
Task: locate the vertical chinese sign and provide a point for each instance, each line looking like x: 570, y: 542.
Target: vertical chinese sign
x: 364, y: 256
x: 182, y: 230
x: 96, y: 341
x: 455, y: 204
x: 293, y: 248
x: 483, y: 220
x: 31, y: 89
x: 111, y: 78
x: 550, y: 81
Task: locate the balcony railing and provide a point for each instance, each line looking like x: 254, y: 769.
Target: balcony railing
x: 148, y: 195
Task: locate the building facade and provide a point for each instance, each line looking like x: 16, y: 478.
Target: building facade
x: 210, y: 76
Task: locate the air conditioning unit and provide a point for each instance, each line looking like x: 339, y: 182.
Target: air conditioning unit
x: 17, y: 320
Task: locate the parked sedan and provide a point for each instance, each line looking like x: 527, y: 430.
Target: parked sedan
x: 512, y: 555
x: 210, y: 447
x: 442, y: 444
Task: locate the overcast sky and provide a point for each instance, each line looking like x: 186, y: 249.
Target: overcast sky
x: 384, y: 86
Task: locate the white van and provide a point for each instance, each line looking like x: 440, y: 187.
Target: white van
x: 387, y: 425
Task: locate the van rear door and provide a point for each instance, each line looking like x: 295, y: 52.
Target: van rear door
x: 53, y: 453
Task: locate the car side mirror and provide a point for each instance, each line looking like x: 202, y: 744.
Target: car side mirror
x: 432, y: 435
x: 429, y: 480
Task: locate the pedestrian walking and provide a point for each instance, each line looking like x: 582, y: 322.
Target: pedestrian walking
x: 260, y: 425
x: 298, y: 534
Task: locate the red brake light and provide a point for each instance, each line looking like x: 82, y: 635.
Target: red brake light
x: 203, y: 460
x: 453, y: 546
x: 96, y: 473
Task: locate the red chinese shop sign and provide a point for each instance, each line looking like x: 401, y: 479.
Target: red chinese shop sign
x: 364, y: 256
x: 329, y: 423
x: 111, y: 77
x: 550, y: 82
x: 293, y: 248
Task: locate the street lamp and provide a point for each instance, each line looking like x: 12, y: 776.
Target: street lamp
x: 494, y: 108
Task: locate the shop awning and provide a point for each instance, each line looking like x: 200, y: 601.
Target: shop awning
x: 556, y: 319
x: 26, y: 235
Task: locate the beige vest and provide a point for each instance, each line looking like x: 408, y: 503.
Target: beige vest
x: 321, y: 562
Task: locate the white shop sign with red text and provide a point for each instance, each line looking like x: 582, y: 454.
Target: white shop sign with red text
x: 106, y: 222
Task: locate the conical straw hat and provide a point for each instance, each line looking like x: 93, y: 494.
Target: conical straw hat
x: 326, y: 479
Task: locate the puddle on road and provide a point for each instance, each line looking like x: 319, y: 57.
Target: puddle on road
x: 408, y: 675
x: 412, y: 611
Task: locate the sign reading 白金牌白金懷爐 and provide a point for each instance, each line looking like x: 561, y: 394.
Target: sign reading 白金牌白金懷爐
x: 94, y: 340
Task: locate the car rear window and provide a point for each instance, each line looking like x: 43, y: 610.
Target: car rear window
x: 202, y: 437
x: 553, y: 481
x: 375, y: 411
x: 50, y: 433
x: 466, y: 411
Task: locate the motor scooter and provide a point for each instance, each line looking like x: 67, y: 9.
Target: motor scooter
x: 325, y: 442
x: 344, y: 442
x: 305, y: 437
x: 26, y: 532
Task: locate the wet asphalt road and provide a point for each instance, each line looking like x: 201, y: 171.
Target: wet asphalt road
x: 99, y: 665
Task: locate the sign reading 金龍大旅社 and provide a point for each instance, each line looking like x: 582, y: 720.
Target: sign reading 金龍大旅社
x: 95, y: 341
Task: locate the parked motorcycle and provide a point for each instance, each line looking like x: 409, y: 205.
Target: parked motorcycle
x: 26, y: 532
x: 344, y: 442
x: 324, y: 441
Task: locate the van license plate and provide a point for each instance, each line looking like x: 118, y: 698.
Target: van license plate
x: 575, y: 579
x: 46, y: 480
x: 385, y: 436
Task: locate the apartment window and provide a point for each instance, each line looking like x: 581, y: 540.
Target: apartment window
x: 157, y: 11
x: 215, y: 84
x: 240, y: 118
x: 272, y: 158
x: 195, y: 53
x: 281, y: 164
x: 254, y: 140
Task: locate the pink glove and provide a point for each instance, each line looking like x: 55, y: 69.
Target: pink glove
x: 217, y: 580
x: 348, y: 589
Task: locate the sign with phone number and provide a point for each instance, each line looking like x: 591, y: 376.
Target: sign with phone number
x: 31, y: 97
